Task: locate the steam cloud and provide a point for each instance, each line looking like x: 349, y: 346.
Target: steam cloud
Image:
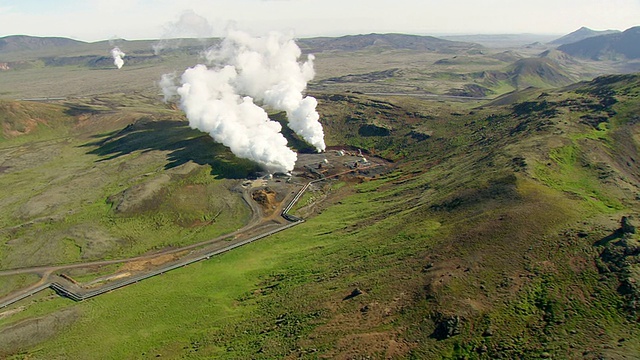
x: 189, y: 25
x: 117, y: 55
x: 221, y: 99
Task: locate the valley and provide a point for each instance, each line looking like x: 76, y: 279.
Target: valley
x: 473, y: 202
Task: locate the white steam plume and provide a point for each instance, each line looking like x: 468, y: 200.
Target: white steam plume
x: 269, y: 71
x: 212, y: 105
x: 117, y: 55
x: 220, y: 99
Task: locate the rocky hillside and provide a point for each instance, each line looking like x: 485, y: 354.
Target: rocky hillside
x: 529, y: 197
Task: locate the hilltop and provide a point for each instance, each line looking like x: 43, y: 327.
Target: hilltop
x: 549, y: 70
x: 581, y: 34
x: 538, y: 72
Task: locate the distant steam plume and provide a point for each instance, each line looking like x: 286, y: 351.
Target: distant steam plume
x: 117, y: 55
x: 220, y: 99
x: 189, y: 25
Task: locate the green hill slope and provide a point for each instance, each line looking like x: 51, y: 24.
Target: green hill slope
x: 538, y: 72
x: 550, y: 70
x: 19, y: 118
x: 89, y: 175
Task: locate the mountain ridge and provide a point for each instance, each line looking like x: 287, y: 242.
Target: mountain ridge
x: 392, y: 41
x: 603, y: 47
x: 13, y: 43
x: 395, y: 41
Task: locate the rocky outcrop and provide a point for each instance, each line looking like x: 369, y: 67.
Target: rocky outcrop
x: 447, y: 326
x: 621, y: 258
x: 368, y: 130
x: 134, y: 198
x: 626, y: 227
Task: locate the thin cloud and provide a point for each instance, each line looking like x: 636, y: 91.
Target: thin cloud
x: 143, y: 19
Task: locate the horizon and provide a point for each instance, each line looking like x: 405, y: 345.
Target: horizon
x: 99, y: 20
x: 318, y: 36
x: 302, y: 37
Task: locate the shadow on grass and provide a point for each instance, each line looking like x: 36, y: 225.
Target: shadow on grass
x: 618, y: 234
x: 81, y: 109
x: 183, y: 144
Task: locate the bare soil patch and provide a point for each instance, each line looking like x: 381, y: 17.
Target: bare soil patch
x: 148, y: 264
x: 26, y: 334
x: 8, y: 313
x: 133, y: 198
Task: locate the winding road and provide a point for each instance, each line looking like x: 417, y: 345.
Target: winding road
x: 198, y: 252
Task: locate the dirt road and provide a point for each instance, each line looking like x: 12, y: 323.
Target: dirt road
x: 258, y: 227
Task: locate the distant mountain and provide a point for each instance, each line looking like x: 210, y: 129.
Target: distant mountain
x: 501, y: 40
x: 21, y: 52
x: 611, y: 46
x: 16, y: 43
x: 385, y: 41
x: 30, y: 43
x: 581, y: 34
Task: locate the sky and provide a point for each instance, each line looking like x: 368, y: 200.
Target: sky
x: 94, y: 20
